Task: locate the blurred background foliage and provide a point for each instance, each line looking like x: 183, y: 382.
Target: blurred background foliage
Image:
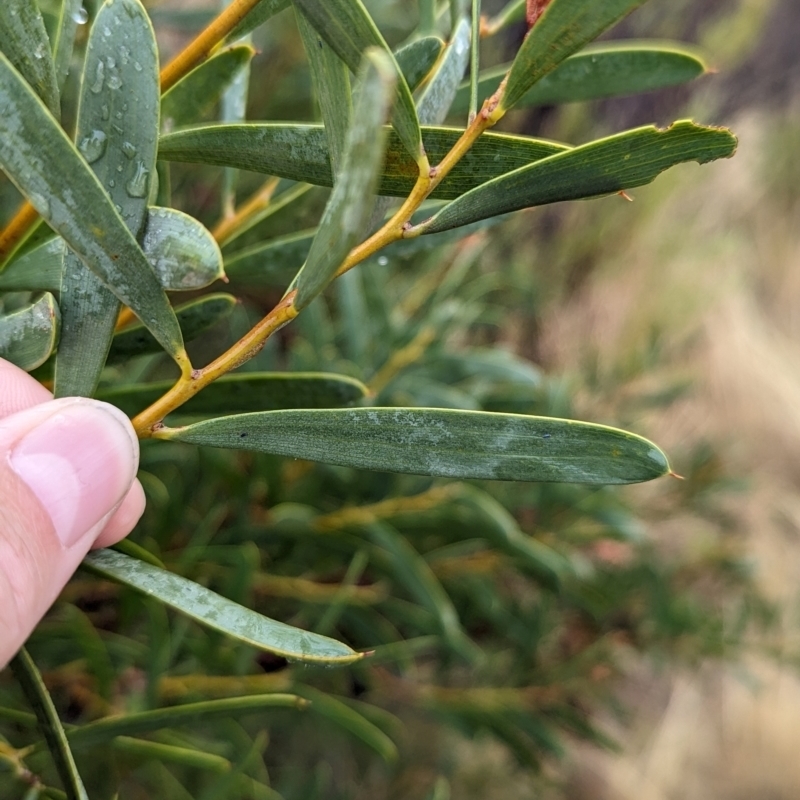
x: 636, y: 621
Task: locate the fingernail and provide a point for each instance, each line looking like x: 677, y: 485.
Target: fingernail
x: 79, y: 462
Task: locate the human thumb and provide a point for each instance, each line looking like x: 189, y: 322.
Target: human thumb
x: 65, y: 467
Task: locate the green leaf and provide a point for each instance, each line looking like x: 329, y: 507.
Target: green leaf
x: 350, y: 205
x: 350, y: 720
x: 219, y: 613
x: 440, y: 92
x: 195, y: 94
x: 69, y: 16
x: 417, y: 59
x: 484, y: 364
x: 103, y: 730
x: 620, y: 162
x: 258, y: 16
x: 332, y: 84
x: 29, y: 335
x: 117, y: 133
x: 348, y: 28
x: 411, y: 569
x: 32, y: 685
x: 275, y: 262
x: 500, y: 529
x: 195, y: 318
x: 429, y: 441
x: 45, y: 166
x: 300, y: 153
x: 147, y: 751
x: 23, y: 40
x: 182, y: 252
x: 563, y: 29
x: 613, y: 69
x: 248, y: 391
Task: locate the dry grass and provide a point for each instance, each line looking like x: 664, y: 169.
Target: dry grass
x: 707, y: 265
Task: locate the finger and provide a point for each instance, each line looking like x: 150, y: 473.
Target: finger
x: 19, y: 390
x: 65, y: 468
x: 124, y: 519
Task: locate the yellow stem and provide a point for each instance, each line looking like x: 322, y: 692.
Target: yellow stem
x: 15, y: 231
x: 125, y: 318
x: 403, y: 358
x: 201, y: 47
x: 227, y: 226
x: 150, y: 420
x: 197, y: 50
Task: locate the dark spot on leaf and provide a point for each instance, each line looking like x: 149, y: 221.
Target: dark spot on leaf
x: 242, y: 435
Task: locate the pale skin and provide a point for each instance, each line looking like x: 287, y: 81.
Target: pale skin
x: 67, y: 485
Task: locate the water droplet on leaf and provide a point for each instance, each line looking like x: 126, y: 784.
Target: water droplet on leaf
x: 137, y: 185
x: 99, y: 77
x: 93, y: 146
x: 128, y: 149
x: 114, y: 82
x: 81, y: 16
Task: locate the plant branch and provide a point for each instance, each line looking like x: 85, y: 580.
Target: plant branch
x: 203, y: 44
x: 15, y: 231
x: 229, y: 225
x: 150, y: 420
x: 399, y: 226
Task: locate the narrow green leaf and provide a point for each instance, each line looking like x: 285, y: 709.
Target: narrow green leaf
x: 332, y: 84
x: 29, y: 335
x: 349, y: 208
x: 429, y: 441
x: 514, y: 11
x: 275, y: 262
x: 233, y: 108
x: 38, y: 157
x: 117, y: 133
x: 458, y: 8
x: 484, y: 364
x: 70, y: 16
x: 500, y: 529
x: 219, y: 613
x: 475, y: 59
x: 300, y: 152
x: 195, y: 318
x: 182, y: 252
x: 32, y: 685
x: 418, y: 58
x: 248, y: 391
x: 197, y: 93
x: 427, y: 15
x: 170, y: 754
x: 103, y: 730
x: 419, y: 580
x: 38, y: 269
x: 23, y: 40
x: 563, y: 29
x: 348, y: 28
x: 620, y: 162
x: 440, y: 92
x: 258, y: 16
x: 350, y: 720
x: 613, y: 69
